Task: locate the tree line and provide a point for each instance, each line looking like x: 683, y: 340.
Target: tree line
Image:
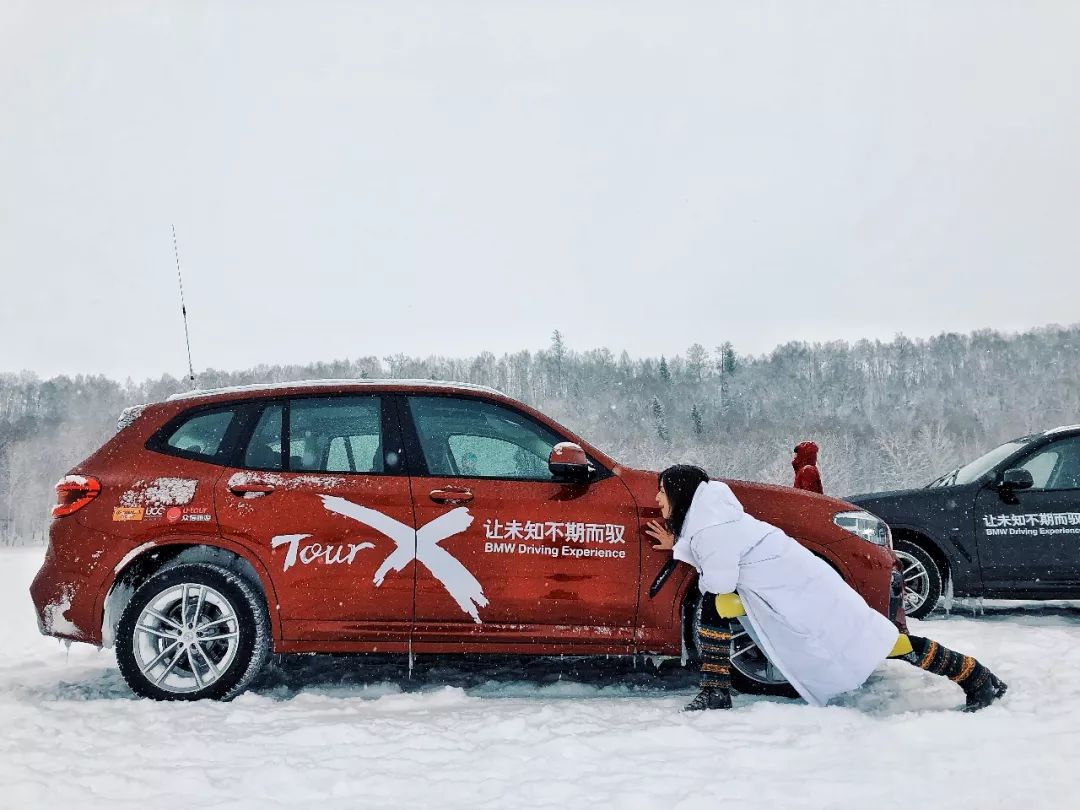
x: 886, y: 414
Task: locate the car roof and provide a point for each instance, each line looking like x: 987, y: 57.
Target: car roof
x: 297, y: 386
x: 1062, y: 429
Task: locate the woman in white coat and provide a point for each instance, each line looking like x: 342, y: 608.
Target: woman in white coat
x: 813, y: 626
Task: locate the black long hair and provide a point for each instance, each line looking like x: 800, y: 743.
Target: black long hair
x: 680, y: 482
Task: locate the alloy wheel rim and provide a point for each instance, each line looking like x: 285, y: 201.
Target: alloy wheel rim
x: 186, y: 638
x: 747, y: 658
x: 750, y: 660
x: 916, y: 582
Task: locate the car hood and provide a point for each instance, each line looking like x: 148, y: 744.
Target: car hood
x: 885, y: 497
x: 903, y: 505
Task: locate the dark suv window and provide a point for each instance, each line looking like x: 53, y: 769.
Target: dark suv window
x: 201, y: 435
x: 1056, y: 466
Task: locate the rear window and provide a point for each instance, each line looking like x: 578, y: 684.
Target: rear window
x: 200, y: 435
x: 321, y: 434
x: 340, y: 434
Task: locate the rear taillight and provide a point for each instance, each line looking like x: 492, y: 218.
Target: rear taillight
x: 73, y: 492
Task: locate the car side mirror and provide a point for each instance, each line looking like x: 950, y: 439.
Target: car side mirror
x: 1016, y: 479
x: 568, y: 462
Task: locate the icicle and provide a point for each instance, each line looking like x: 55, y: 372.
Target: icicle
x: 947, y: 603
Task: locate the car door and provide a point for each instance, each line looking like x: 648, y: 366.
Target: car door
x: 509, y: 555
x: 1029, y: 540
x: 319, y: 491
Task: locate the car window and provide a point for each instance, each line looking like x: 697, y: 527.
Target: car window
x: 1056, y: 466
x: 982, y: 465
x: 337, y: 434
x: 201, y: 435
x: 469, y: 437
x: 264, y: 448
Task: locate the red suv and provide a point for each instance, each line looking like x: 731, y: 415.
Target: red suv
x: 388, y: 516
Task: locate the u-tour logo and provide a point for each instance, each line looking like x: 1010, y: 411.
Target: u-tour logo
x: 420, y: 544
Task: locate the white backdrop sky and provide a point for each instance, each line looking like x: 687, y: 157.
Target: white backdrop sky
x: 451, y: 177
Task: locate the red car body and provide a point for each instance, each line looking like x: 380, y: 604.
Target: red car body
x: 562, y: 567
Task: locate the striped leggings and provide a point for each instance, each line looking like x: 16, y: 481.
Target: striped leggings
x: 714, y: 642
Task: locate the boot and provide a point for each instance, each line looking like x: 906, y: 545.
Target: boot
x: 714, y: 643
x: 981, y: 687
x: 982, y: 694
x: 709, y: 697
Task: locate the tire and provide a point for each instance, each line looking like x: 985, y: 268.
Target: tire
x: 751, y: 671
x: 922, y: 578
x: 164, y: 654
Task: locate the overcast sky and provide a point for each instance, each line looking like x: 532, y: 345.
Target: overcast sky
x: 451, y: 177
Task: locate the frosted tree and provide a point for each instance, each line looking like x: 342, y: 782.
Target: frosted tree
x: 697, y: 359
x: 695, y: 419
x: 892, y: 414
x: 659, y: 416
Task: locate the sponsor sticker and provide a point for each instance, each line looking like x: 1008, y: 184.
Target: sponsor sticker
x: 192, y: 514
x: 122, y: 514
x: 196, y: 515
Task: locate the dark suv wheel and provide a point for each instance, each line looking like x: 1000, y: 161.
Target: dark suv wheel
x: 192, y: 631
x: 922, y: 578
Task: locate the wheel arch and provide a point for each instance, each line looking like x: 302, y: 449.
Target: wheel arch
x: 158, y: 556
x: 928, y: 544
x: 687, y: 600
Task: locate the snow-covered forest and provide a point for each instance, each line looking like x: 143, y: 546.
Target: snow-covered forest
x: 885, y: 414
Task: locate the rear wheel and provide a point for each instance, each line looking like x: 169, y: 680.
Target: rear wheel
x: 922, y: 578
x: 192, y: 631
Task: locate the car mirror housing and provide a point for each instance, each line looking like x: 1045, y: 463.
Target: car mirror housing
x: 1016, y: 479
x: 568, y: 462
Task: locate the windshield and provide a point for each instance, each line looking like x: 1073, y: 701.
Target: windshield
x: 980, y: 466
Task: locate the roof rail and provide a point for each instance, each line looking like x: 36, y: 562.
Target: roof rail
x: 316, y: 384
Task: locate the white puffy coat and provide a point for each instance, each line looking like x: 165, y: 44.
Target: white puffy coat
x: 818, y: 631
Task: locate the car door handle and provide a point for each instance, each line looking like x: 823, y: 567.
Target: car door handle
x: 453, y: 495
x: 251, y: 489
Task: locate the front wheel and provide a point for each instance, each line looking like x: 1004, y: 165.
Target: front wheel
x: 922, y: 578
x: 192, y: 631
x: 752, y: 673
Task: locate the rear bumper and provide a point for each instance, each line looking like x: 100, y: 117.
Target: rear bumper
x: 68, y: 585
x: 64, y: 603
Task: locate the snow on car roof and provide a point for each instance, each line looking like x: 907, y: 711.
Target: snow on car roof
x: 1062, y: 429
x: 263, y: 387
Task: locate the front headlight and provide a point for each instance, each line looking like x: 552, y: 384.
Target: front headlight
x: 865, y: 526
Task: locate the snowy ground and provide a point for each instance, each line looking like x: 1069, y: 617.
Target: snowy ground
x: 336, y: 733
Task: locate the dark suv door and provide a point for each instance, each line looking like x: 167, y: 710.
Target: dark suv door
x: 1029, y: 540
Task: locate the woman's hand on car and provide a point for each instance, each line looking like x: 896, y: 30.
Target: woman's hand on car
x: 664, y: 539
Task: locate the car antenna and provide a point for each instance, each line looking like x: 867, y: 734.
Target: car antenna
x: 183, y: 310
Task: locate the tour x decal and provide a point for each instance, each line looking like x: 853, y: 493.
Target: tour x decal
x: 421, y: 544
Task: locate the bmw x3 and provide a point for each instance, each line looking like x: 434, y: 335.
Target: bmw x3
x: 383, y: 516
